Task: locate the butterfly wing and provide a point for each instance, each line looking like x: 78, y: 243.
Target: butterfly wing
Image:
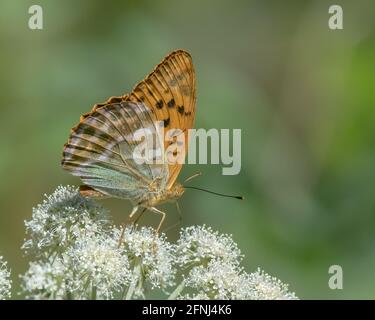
x: 100, y: 150
x: 169, y: 91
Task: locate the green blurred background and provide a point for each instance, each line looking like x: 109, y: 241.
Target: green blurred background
x: 302, y: 94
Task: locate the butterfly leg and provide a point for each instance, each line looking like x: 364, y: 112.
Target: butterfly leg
x: 162, y: 217
x: 139, y: 217
x: 135, y: 209
x: 158, y: 228
x: 179, y: 218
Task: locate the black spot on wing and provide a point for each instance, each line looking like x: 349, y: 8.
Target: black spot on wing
x: 159, y: 104
x: 166, y: 122
x: 171, y: 103
x: 181, y: 109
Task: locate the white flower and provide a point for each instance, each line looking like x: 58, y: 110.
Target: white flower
x: 200, y: 244
x: 219, y: 280
x: 265, y: 287
x: 93, y: 268
x: 153, y: 254
x: 61, y: 218
x: 46, y: 280
x: 212, y: 268
x: 100, y: 267
x: 224, y: 281
x: 78, y: 256
x: 5, y: 282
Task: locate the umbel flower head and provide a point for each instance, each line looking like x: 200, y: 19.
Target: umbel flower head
x: 5, y: 282
x: 61, y: 218
x: 46, y: 279
x: 94, y: 267
x: 265, y: 287
x: 200, y: 244
x: 151, y: 257
x: 100, y: 267
x: 78, y: 256
x: 211, y: 262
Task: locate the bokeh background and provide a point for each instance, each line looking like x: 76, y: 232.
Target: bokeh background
x: 302, y: 94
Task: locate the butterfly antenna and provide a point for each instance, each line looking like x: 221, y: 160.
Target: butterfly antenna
x: 193, y: 176
x: 216, y: 193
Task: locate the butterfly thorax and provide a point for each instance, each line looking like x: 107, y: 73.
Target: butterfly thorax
x: 162, y: 196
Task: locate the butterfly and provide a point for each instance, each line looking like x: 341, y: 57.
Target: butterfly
x: 100, y: 148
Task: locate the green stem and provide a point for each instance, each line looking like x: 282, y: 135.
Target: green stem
x: 93, y: 292
x: 69, y: 295
x: 136, y: 276
x: 177, y: 291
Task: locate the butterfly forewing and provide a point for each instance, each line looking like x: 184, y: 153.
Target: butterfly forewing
x: 169, y: 91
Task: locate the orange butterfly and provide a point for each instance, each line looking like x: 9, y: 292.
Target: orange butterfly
x: 100, y: 149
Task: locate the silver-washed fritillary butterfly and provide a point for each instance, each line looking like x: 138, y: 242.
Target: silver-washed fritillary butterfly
x: 100, y: 148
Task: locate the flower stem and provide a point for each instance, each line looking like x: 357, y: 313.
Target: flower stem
x: 93, y: 293
x: 136, y: 276
x: 177, y: 291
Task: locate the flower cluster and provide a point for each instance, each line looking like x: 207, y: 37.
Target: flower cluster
x: 211, y: 264
x: 152, y: 260
x: 264, y: 287
x: 5, y: 282
x: 46, y: 280
x: 199, y: 245
x: 99, y: 266
x: 78, y: 255
x: 61, y: 218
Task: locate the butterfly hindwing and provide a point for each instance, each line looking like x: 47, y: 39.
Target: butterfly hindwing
x: 100, y: 150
